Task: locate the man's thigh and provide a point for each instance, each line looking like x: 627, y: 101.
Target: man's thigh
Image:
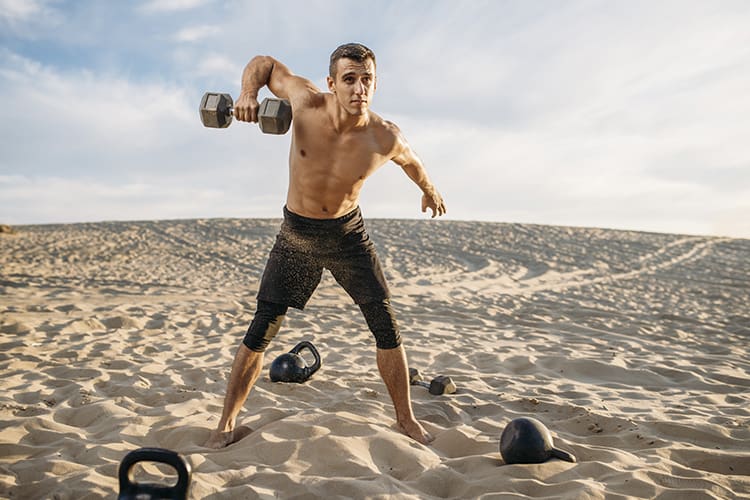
x: 361, y: 275
x: 289, y: 278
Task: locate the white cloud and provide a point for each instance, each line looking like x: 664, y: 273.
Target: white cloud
x: 97, y: 146
x: 217, y: 64
x: 20, y: 10
x: 27, y: 19
x: 70, y: 109
x: 196, y: 33
x: 158, y: 6
x: 92, y: 200
x: 569, y: 177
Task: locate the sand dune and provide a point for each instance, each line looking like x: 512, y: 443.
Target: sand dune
x: 631, y: 347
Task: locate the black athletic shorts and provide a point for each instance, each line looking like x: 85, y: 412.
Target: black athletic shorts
x: 305, y: 246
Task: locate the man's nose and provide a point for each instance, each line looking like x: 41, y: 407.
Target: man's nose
x: 359, y: 88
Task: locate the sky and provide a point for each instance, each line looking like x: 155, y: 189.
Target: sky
x: 628, y: 115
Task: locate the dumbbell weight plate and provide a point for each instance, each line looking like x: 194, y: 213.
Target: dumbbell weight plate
x: 216, y: 110
x: 442, y: 385
x: 274, y: 116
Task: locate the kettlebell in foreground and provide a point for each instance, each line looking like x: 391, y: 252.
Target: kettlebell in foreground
x: 130, y: 489
x: 291, y: 366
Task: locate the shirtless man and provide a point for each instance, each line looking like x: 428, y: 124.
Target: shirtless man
x: 337, y: 143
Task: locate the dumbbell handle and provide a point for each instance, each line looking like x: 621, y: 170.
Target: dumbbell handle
x: 230, y: 109
x: 439, y: 385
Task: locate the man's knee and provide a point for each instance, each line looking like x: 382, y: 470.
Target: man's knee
x: 265, y: 325
x: 382, y: 323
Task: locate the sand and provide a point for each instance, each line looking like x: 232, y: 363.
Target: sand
x: 631, y: 347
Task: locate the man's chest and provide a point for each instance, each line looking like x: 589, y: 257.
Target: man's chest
x: 358, y: 151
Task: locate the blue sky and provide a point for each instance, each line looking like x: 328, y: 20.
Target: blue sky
x: 631, y: 115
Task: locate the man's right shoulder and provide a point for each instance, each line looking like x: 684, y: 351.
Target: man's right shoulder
x: 308, y: 97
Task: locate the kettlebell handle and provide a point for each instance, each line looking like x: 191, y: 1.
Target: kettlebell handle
x: 131, y: 490
x: 308, y: 345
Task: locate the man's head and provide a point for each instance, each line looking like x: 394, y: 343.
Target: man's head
x: 352, y: 77
x: 354, y: 51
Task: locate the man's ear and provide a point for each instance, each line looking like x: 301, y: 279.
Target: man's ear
x: 331, y: 84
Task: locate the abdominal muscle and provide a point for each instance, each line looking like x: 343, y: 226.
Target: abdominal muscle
x: 322, y: 193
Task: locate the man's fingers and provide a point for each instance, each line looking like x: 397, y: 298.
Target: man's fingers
x: 246, y: 109
x: 435, y: 204
x: 246, y: 114
x: 439, y: 209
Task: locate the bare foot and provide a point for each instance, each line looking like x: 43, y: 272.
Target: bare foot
x: 414, y: 430
x: 217, y: 440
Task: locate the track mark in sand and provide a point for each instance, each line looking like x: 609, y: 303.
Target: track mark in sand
x: 198, y: 248
x: 685, y: 250
x: 541, y: 278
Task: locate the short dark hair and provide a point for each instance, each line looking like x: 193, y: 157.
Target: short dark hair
x: 355, y: 51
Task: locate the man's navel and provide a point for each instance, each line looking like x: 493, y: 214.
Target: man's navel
x: 302, y: 153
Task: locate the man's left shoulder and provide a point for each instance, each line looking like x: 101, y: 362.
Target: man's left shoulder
x: 388, y: 136
x: 384, y: 127
x: 390, y: 126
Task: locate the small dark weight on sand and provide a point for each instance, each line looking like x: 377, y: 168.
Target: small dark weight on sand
x: 438, y: 386
x: 291, y: 366
x: 526, y: 440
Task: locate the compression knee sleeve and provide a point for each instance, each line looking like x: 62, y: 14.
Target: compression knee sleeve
x: 265, y: 325
x: 382, y: 322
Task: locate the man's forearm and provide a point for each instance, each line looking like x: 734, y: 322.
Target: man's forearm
x: 419, y: 176
x: 257, y: 74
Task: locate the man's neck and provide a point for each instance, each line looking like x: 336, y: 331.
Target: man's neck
x: 344, y: 121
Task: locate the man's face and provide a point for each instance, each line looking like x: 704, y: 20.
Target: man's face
x: 354, y: 84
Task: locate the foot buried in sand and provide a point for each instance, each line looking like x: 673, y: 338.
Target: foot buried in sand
x: 414, y: 430
x: 217, y: 440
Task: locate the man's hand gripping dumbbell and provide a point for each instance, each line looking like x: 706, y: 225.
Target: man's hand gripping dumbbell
x: 274, y: 115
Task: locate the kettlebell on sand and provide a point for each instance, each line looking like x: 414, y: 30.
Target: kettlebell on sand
x: 291, y: 367
x: 133, y: 490
x: 526, y: 440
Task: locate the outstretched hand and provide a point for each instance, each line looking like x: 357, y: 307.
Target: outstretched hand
x: 434, y: 202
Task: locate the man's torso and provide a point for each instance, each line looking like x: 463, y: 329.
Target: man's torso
x: 329, y: 167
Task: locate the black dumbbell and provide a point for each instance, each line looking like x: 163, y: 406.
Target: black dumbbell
x: 274, y: 115
x: 437, y: 386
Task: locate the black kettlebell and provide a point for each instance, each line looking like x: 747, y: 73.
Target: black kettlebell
x: 526, y: 440
x: 291, y: 367
x: 130, y: 490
